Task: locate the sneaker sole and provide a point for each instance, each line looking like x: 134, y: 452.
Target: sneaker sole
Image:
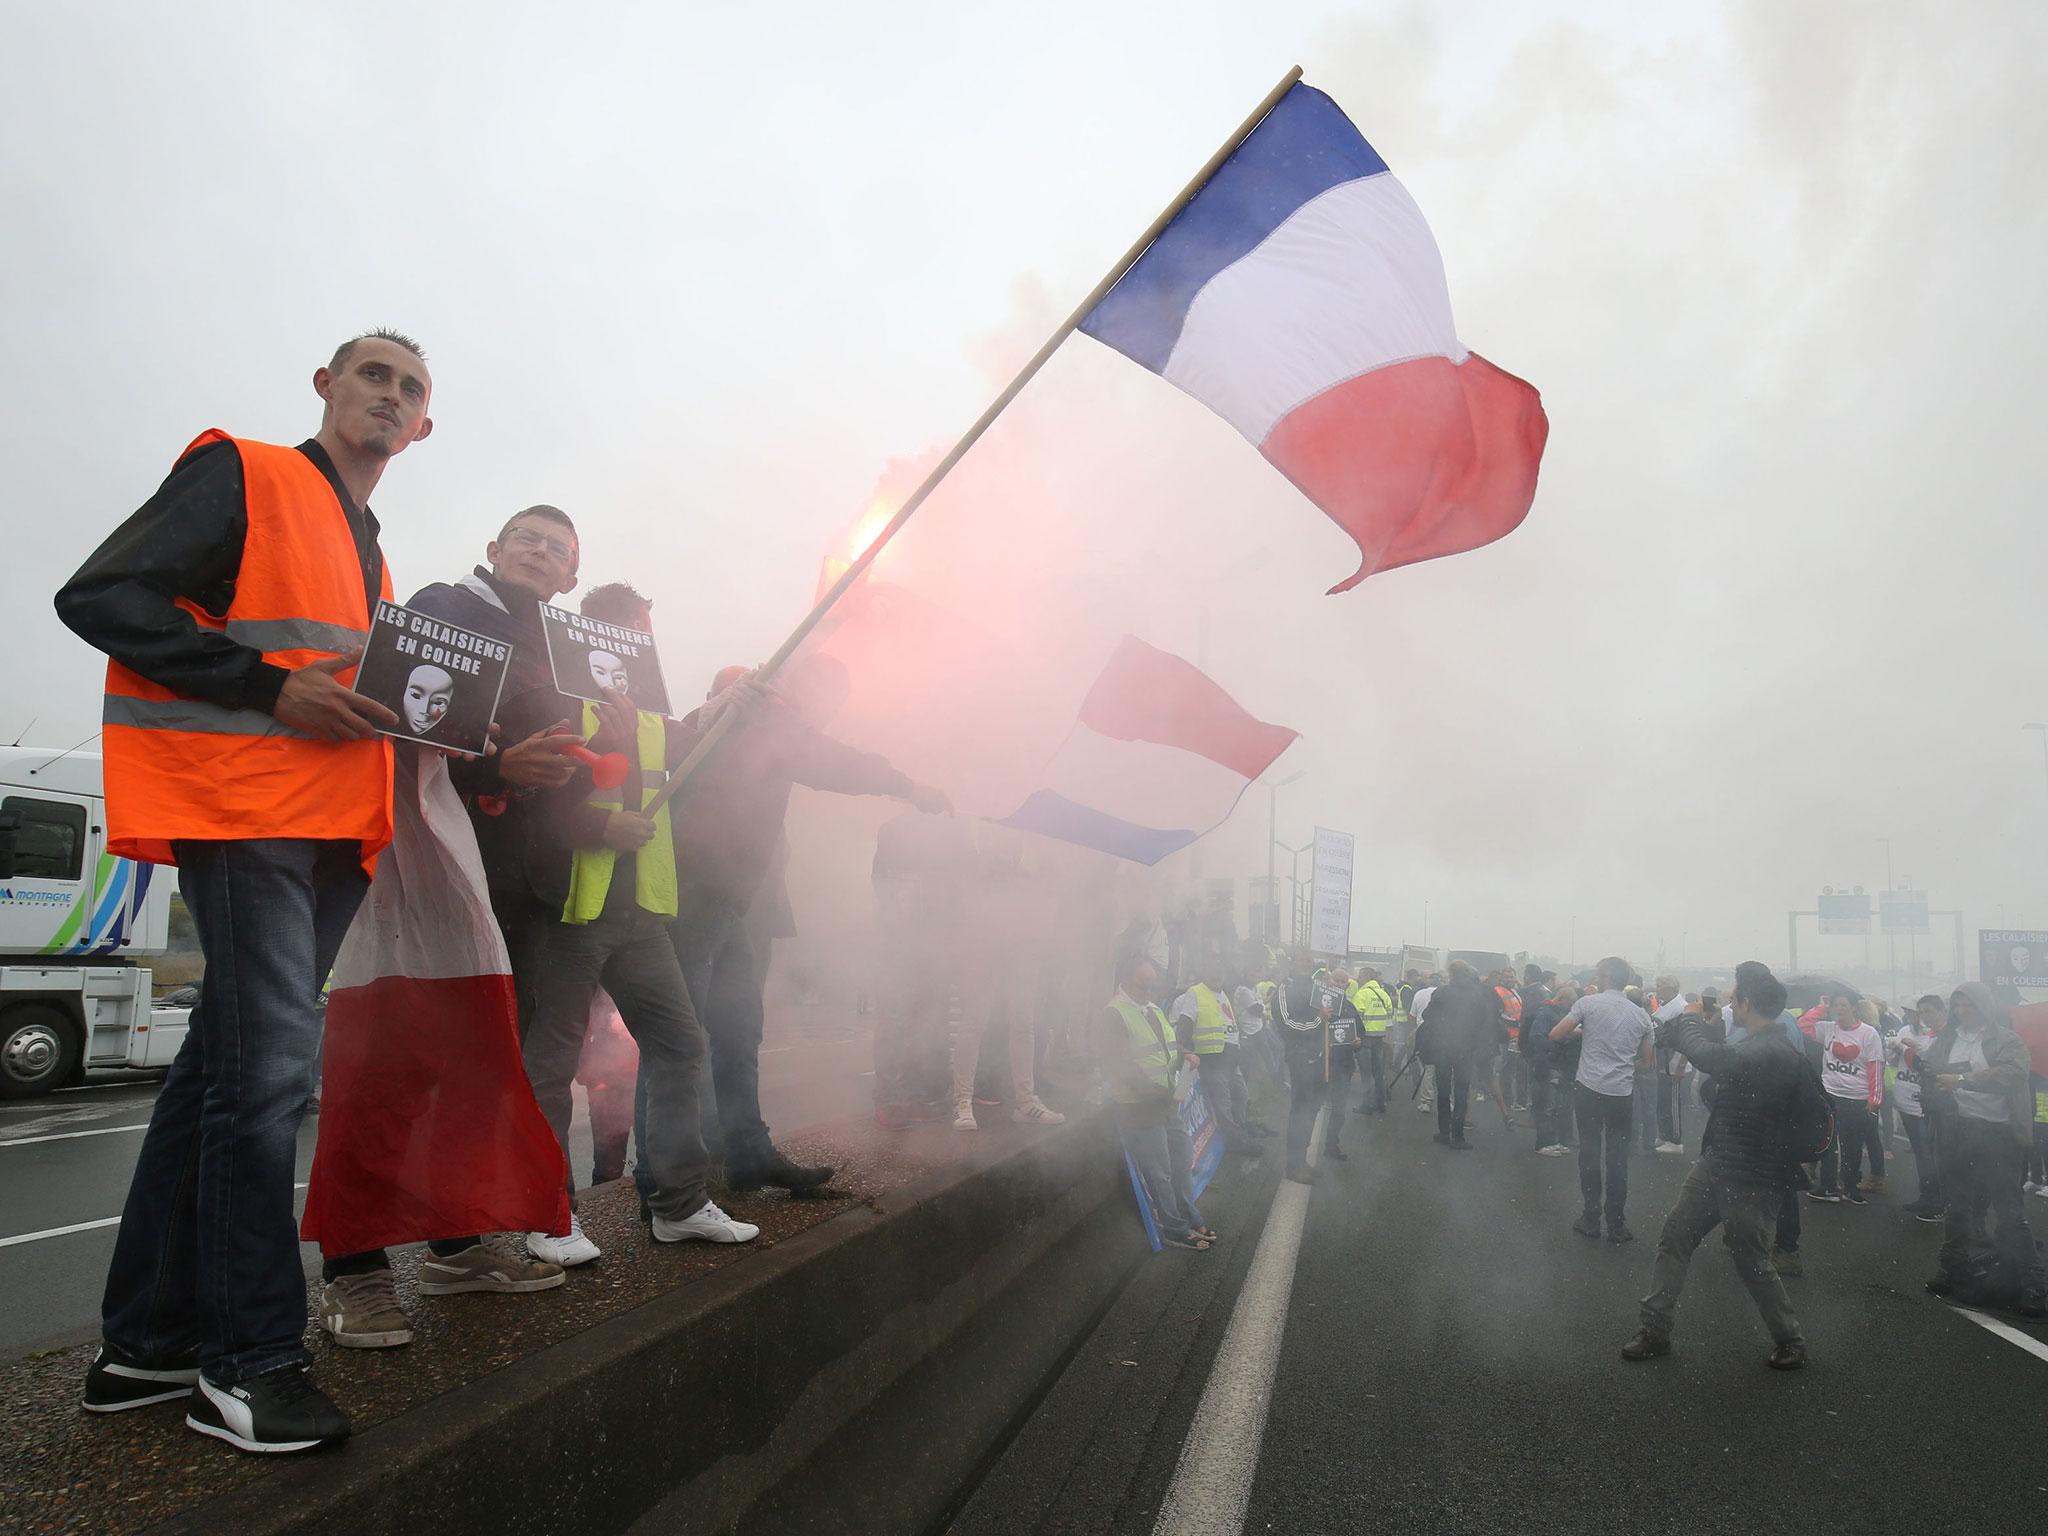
x: 566, y: 1262
x: 701, y: 1237
x: 487, y: 1283
x: 390, y: 1338
x: 255, y: 1447
x: 169, y: 1394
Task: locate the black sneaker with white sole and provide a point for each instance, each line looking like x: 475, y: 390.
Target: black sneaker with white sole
x: 114, y: 1382
x: 280, y: 1410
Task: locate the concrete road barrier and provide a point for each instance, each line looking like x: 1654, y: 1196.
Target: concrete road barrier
x: 703, y: 1400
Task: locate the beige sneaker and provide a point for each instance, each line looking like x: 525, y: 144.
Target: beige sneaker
x: 362, y: 1311
x: 480, y: 1267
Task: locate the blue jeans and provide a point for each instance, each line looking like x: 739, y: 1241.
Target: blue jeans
x: 207, y: 1260
x: 1643, y: 1114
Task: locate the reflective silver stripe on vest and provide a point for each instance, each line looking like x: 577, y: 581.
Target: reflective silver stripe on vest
x: 295, y: 635
x: 193, y: 715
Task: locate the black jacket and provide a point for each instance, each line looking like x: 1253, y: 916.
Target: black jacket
x: 1537, y: 1047
x: 728, y: 828
x: 1464, y: 1021
x: 1757, y: 1087
x: 527, y: 823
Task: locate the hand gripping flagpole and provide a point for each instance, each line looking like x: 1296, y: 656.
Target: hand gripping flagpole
x: 716, y: 732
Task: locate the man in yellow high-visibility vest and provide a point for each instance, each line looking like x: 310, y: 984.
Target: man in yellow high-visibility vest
x: 1375, y: 1005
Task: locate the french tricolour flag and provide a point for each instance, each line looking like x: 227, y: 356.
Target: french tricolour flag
x: 428, y: 1126
x: 1158, y: 757
x: 1301, y: 297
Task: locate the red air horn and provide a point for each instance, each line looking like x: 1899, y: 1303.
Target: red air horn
x: 608, y: 770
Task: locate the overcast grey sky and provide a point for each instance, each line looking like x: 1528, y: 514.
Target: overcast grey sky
x: 698, y: 274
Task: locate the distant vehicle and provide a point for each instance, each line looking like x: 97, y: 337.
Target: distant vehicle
x: 1484, y: 961
x: 73, y: 919
x: 1420, y: 957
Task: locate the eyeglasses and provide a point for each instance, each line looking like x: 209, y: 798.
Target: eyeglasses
x: 529, y: 538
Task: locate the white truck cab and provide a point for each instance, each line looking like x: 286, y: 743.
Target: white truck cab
x: 73, y: 921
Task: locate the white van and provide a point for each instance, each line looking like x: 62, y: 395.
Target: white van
x: 73, y: 919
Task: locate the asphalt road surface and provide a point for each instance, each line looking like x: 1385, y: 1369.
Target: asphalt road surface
x: 65, y: 1161
x: 1420, y: 1343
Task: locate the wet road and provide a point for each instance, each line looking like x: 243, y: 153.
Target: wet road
x: 65, y: 1162
x: 1439, y: 1354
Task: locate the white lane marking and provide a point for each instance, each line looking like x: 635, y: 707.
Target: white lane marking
x: 2005, y: 1331
x: 1212, y: 1483
x: 30, y: 1141
x: 76, y: 1226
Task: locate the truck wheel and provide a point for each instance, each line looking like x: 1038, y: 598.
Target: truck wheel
x: 39, y: 1050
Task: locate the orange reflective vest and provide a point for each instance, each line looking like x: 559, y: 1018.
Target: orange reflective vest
x: 181, y: 767
x: 1511, y: 1010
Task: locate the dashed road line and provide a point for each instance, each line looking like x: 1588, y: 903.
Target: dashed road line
x: 2005, y: 1331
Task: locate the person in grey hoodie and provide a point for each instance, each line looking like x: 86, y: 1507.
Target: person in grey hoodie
x: 1975, y: 1083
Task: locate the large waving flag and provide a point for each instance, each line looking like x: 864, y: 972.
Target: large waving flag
x: 1300, y: 296
x: 1158, y: 757
x: 428, y: 1126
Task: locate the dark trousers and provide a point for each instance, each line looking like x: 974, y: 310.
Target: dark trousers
x: 1787, y: 1239
x: 524, y: 923
x: 1453, y: 1096
x: 1745, y: 1217
x: 724, y: 979
x: 1603, y: 1150
x: 1343, y: 1066
x: 628, y: 953
x: 1372, y: 1072
x: 1667, y: 1108
x: 1985, y: 1242
x: 1304, y: 1096
x: 1546, y: 1100
x: 1841, y: 1166
x: 207, y: 1259
x: 1926, y: 1162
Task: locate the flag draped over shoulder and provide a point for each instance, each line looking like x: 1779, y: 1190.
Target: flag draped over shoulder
x: 1300, y: 296
x: 1158, y: 756
x: 428, y: 1128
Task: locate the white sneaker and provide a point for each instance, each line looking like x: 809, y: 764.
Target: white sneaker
x: 963, y: 1116
x: 1553, y: 1150
x: 568, y: 1250
x: 1032, y: 1112
x: 1424, y: 1106
x: 1670, y: 1146
x: 708, y: 1223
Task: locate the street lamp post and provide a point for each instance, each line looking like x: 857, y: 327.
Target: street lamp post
x: 1273, y: 788
x: 1891, y: 943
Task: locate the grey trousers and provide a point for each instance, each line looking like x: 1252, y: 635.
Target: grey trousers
x: 1164, y: 1157
x: 1747, y: 1218
x: 630, y: 954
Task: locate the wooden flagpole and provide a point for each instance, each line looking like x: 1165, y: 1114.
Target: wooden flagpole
x: 708, y: 742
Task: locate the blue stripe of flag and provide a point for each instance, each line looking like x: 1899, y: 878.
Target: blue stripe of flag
x: 1057, y: 816
x: 1303, y: 147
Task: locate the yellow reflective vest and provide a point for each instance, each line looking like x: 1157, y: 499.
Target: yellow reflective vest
x: 1151, y: 1049
x: 1215, y: 1028
x: 1375, y: 1007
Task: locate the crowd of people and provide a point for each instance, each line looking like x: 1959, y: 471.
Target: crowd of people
x: 1606, y: 1066
x: 233, y: 601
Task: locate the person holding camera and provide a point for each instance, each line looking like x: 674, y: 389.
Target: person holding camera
x: 1764, y: 1099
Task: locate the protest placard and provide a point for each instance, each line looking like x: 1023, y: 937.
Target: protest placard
x: 589, y: 656
x: 441, y: 680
